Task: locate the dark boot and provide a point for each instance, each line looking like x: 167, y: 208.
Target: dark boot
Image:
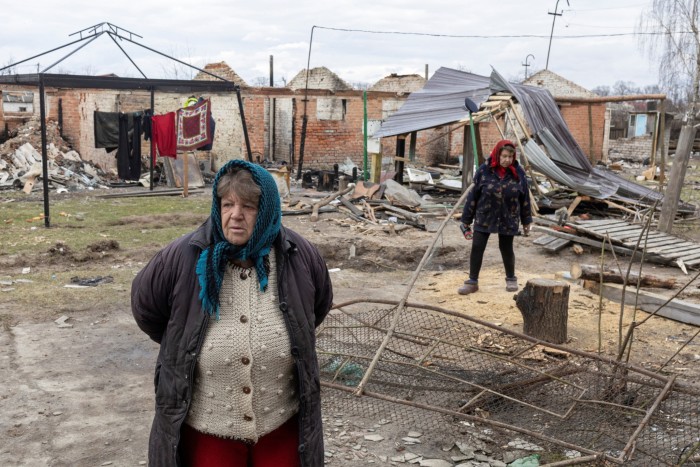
x: 469, y: 286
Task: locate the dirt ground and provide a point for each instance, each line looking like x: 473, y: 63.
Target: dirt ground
x: 81, y: 394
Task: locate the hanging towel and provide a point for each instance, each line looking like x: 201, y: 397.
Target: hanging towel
x: 163, y: 134
x: 106, y: 126
x: 194, y: 126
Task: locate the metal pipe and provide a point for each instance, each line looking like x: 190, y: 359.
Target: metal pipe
x: 306, y: 99
x: 72, y: 52
x: 127, y: 55
x: 245, y: 128
x: 153, y: 152
x: 44, y: 155
x: 365, y: 172
x: 44, y: 53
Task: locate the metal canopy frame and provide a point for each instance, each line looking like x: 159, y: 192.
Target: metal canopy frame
x: 86, y: 37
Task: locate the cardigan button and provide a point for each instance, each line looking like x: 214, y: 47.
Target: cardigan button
x: 295, y: 351
x: 283, y: 307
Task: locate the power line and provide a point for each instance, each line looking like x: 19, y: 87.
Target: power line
x: 505, y: 36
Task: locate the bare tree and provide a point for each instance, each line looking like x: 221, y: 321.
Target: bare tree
x: 672, y: 37
x: 602, y: 90
x: 6, y: 69
x: 625, y: 88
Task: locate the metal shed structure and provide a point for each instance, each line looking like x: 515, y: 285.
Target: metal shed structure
x: 88, y: 35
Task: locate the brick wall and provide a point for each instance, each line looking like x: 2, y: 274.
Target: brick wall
x: 576, y: 117
x: 634, y: 149
x: 328, y: 141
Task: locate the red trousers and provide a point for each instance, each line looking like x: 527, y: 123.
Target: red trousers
x: 276, y: 449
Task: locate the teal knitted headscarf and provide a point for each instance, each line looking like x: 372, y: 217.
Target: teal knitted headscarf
x: 212, y: 261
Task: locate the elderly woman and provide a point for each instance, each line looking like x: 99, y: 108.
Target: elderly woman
x: 496, y: 204
x: 234, y: 306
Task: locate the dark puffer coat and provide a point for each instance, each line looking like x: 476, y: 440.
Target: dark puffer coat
x: 496, y: 204
x: 165, y: 304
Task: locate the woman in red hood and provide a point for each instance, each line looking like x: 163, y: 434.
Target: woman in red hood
x: 498, y: 203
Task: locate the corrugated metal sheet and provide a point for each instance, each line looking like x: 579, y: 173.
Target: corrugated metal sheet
x: 440, y: 102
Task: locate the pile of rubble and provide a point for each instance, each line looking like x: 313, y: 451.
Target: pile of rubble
x: 20, y: 161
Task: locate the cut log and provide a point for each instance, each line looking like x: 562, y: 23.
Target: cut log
x: 591, y: 272
x: 544, y: 304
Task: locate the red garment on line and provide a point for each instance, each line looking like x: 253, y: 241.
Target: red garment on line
x: 276, y: 449
x: 163, y: 135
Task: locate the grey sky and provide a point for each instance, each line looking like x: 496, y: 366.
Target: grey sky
x: 245, y: 34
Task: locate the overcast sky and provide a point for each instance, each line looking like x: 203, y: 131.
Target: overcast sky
x: 245, y: 34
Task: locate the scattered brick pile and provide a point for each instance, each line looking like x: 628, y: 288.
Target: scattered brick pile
x: 20, y: 160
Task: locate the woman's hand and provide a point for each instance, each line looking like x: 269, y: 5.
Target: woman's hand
x: 466, y: 231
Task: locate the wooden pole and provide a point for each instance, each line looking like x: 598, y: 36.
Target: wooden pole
x: 662, y: 147
x: 401, y: 305
x: 669, y: 208
x: 185, y: 174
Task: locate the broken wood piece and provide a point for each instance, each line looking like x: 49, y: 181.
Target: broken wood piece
x: 592, y: 273
x: 30, y: 177
x: 544, y: 304
x: 405, y: 214
x: 328, y: 199
x: 354, y: 209
x: 677, y: 310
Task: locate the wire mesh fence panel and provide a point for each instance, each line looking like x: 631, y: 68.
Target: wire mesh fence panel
x: 443, y: 371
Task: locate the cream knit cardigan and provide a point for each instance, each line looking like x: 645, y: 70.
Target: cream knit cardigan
x: 245, y: 384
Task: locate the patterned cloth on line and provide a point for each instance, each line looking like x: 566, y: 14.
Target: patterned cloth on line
x: 194, y: 126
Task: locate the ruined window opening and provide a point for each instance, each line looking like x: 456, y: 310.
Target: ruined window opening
x: 331, y: 109
x: 18, y: 101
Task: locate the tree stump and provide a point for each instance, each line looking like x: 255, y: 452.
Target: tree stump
x: 544, y: 304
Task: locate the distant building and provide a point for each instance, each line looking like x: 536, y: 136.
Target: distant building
x: 589, y: 122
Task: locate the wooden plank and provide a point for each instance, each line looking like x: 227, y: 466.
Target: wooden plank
x: 658, y: 243
x: 557, y: 245
x: 690, y: 256
x: 544, y: 240
x: 601, y: 222
x: 672, y: 256
x: 602, y: 228
x: 653, y: 235
x: 692, y: 263
x: 677, y: 310
x: 618, y: 229
x: 663, y: 250
x: 592, y: 242
x: 634, y: 238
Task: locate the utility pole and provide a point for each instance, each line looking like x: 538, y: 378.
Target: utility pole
x: 554, y: 19
x: 527, y: 64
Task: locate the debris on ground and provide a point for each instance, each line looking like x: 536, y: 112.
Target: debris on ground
x: 21, y: 161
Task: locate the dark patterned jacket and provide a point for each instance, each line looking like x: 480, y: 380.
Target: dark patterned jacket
x: 496, y: 205
x: 165, y: 303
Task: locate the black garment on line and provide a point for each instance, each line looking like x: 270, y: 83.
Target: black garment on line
x: 129, y: 150
x: 106, y: 128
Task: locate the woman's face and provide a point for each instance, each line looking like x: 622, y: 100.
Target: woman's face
x: 506, y: 157
x: 238, y: 219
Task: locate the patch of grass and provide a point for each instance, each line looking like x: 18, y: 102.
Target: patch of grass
x: 81, y: 221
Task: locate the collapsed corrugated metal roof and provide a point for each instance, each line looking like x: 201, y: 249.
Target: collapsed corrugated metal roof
x: 548, y: 125
x: 440, y: 102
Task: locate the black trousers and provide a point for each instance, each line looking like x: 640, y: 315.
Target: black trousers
x: 505, y: 244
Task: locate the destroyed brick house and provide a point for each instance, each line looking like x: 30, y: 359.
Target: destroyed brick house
x: 273, y: 116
